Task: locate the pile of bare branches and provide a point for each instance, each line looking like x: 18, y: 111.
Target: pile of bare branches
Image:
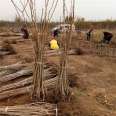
x: 6, y: 48
x: 104, y: 50
x: 33, y: 109
x: 8, y: 34
x: 17, y: 79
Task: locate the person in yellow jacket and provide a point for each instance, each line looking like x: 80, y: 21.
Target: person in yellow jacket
x: 54, y: 44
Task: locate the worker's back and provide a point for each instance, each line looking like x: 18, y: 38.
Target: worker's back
x: 107, y: 37
x: 54, y: 44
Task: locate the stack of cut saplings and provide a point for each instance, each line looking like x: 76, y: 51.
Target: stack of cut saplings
x: 16, y: 81
x: 8, y: 34
x: 32, y: 109
x: 6, y: 48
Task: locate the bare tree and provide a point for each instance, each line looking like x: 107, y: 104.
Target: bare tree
x: 40, y: 33
x: 63, y: 90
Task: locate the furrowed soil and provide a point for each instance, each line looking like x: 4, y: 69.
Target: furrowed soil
x: 95, y: 78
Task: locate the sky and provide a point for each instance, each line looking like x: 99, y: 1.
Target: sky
x: 89, y: 9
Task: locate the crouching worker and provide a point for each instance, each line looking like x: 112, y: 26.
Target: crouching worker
x: 25, y: 32
x: 54, y: 44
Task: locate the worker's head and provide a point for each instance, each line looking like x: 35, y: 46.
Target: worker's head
x: 55, y: 33
x: 53, y: 36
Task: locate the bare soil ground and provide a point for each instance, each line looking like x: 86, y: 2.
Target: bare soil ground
x: 95, y: 93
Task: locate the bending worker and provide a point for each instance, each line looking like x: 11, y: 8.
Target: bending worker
x: 107, y: 37
x: 89, y: 34
x: 54, y: 44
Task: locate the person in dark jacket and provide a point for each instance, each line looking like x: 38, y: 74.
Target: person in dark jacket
x: 107, y: 37
x: 89, y: 34
x: 25, y: 32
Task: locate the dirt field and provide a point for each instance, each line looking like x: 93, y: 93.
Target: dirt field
x: 95, y: 93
